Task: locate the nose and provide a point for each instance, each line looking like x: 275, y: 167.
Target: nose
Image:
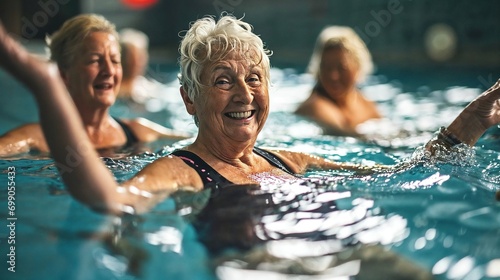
x: 335, y: 75
x: 108, y: 67
x: 243, y: 93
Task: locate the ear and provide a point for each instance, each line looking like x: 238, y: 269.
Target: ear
x: 187, y: 102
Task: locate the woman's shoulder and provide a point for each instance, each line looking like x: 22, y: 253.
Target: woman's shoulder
x: 171, y: 169
x: 27, y: 130
x: 26, y: 137
x: 147, y: 130
x: 296, y: 161
x: 368, y: 106
x: 315, y: 103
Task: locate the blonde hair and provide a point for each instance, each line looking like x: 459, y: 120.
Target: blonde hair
x: 207, y: 41
x: 64, y: 43
x: 345, y: 38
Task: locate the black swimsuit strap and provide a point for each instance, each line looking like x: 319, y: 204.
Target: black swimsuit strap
x: 131, y: 138
x: 272, y: 159
x: 211, y: 178
x: 208, y: 175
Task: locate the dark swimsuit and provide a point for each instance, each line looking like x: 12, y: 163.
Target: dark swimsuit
x: 131, y: 138
x: 212, y: 178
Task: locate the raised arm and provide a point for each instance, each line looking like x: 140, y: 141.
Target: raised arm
x: 482, y: 113
x: 84, y: 174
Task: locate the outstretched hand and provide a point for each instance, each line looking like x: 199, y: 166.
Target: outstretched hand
x: 487, y: 106
x: 482, y: 113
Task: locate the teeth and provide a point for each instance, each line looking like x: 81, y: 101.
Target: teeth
x: 103, y: 86
x: 240, y: 115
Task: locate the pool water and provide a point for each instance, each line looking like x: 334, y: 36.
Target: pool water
x: 435, y: 218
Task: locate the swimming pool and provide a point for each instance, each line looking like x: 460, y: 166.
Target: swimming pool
x: 437, y: 217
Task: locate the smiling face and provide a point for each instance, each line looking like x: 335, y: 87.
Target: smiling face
x: 234, y: 104
x: 338, y: 72
x: 94, y: 77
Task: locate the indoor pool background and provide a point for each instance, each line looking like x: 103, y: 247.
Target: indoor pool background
x: 434, y: 218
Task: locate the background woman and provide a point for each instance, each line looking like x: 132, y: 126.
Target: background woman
x: 339, y: 62
x: 87, y: 52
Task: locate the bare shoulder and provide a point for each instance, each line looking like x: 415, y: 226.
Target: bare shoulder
x: 29, y: 128
x: 297, y: 161
x: 314, y: 104
x: 24, y: 138
x: 301, y: 162
x: 322, y: 107
x: 369, y: 106
x: 147, y: 131
x: 167, y: 173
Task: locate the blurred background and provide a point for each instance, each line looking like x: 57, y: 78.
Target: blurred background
x: 399, y: 33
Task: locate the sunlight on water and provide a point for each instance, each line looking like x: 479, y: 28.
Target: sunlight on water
x: 432, y: 216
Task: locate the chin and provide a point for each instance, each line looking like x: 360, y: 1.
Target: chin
x: 107, y: 102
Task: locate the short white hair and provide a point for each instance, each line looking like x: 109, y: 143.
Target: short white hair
x: 208, y: 40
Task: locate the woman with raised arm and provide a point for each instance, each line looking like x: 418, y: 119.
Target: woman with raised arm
x: 224, y: 84
x: 87, y: 52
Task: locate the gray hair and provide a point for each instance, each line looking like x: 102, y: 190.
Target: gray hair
x: 207, y: 41
x: 345, y: 38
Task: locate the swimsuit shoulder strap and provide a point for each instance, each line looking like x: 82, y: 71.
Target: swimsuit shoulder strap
x: 131, y: 138
x: 272, y: 159
x: 209, y: 176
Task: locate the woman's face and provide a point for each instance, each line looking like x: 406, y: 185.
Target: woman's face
x: 234, y: 102
x: 95, y: 75
x: 338, y: 72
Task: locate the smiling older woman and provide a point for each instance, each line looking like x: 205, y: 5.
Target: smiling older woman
x: 225, y: 80
x: 87, y: 53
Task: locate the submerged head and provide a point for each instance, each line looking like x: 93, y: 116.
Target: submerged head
x: 340, y: 54
x: 225, y: 76
x: 86, y: 49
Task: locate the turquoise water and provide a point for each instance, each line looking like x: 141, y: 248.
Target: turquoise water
x: 436, y: 217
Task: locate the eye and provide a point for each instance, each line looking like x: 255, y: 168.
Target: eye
x: 342, y: 67
x: 223, y: 83
x: 254, y: 80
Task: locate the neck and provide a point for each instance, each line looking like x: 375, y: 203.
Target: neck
x: 341, y: 100
x: 95, y: 122
x: 215, y: 150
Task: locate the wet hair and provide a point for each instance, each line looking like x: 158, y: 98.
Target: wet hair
x: 345, y: 38
x: 64, y: 43
x: 208, y: 41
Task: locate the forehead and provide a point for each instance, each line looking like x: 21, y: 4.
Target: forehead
x: 337, y: 54
x: 234, y: 61
x: 99, y: 41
